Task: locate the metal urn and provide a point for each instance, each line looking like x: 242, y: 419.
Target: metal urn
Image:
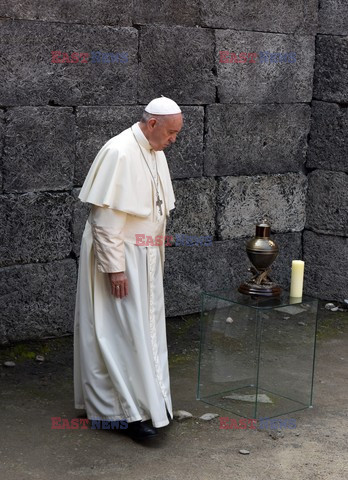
x: 262, y: 251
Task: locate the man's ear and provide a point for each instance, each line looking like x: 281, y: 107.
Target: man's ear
x: 151, y: 123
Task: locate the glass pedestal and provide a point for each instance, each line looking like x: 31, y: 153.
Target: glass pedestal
x: 257, y: 355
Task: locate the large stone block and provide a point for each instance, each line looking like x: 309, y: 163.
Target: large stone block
x: 326, y: 266
x: 37, y: 300
x: 30, y: 78
x: 331, y: 72
x: 328, y: 144
x: 185, y: 156
x: 244, y: 201
x: 104, y: 12
x: 34, y: 227
x: 327, y: 202
x: 95, y: 126
x: 191, y: 270
x: 333, y: 17
x: 254, y: 139
x: 176, y: 62
x: 194, y: 212
x: 264, y: 15
x: 40, y: 149
x: 262, y: 81
x: 79, y: 216
x: 181, y: 12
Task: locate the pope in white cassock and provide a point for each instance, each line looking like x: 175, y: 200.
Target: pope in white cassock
x: 120, y: 350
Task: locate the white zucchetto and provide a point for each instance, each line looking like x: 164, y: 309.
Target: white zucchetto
x: 163, y: 106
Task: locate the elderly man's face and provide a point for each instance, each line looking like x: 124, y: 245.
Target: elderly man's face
x: 163, y: 131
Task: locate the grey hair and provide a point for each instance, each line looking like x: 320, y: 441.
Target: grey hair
x: 146, y: 117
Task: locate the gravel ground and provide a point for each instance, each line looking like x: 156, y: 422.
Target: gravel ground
x: 32, y: 392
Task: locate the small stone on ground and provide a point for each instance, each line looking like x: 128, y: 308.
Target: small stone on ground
x: 181, y: 414
x: 9, y: 364
x: 208, y: 416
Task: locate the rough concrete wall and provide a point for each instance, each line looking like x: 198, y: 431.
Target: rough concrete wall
x: 243, y: 152
x: 325, y: 241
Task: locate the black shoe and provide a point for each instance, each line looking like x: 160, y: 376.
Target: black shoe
x: 140, y: 431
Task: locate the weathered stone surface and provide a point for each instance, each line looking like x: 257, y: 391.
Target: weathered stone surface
x: 34, y: 227
x: 104, y: 12
x: 253, y: 139
x: 185, y: 156
x: 96, y: 125
x: 290, y: 248
x: 181, y: 12
x: 328, y: 145
x: 265, y: 82
x: 327, y: 202
x: 326, y: 266
x: 180, y: 61
x: 37, y: 300
x: 30, y: 78
x: 79, y: 216
x: 176, y: 62
x: 194, y: 212
x: 40, y: 149
x: 190, y: 270
x: 2, y: 134
x: 331, y: 72
x: 263, y: 15
x: 333, y: 17
x: 244, y: 201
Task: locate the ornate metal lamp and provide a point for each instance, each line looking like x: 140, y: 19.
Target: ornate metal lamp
x: 262, y: 251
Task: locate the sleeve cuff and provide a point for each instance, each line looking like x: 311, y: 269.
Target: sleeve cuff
x: 108, y: 241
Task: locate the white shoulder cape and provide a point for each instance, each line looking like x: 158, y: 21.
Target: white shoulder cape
x: 118, y: 178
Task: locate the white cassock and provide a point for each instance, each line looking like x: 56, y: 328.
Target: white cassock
x: 120, y: 346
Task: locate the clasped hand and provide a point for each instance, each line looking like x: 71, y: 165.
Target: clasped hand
x: 119, y: 284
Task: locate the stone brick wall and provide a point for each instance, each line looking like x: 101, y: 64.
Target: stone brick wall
x: 325, y: 242
x: 259, y: 139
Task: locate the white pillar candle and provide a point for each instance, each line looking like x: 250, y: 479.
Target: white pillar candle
x: 297, y: 272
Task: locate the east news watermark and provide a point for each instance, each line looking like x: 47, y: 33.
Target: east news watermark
x: 264, y: 58
x: 105, y: 58
x: 59, y: 423
x: 262, y: 423
x: 180, y: 239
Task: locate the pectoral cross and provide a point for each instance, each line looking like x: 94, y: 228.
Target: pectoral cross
x: 159, y: 203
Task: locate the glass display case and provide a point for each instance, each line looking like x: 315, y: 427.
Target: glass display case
x: 257, y: 354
